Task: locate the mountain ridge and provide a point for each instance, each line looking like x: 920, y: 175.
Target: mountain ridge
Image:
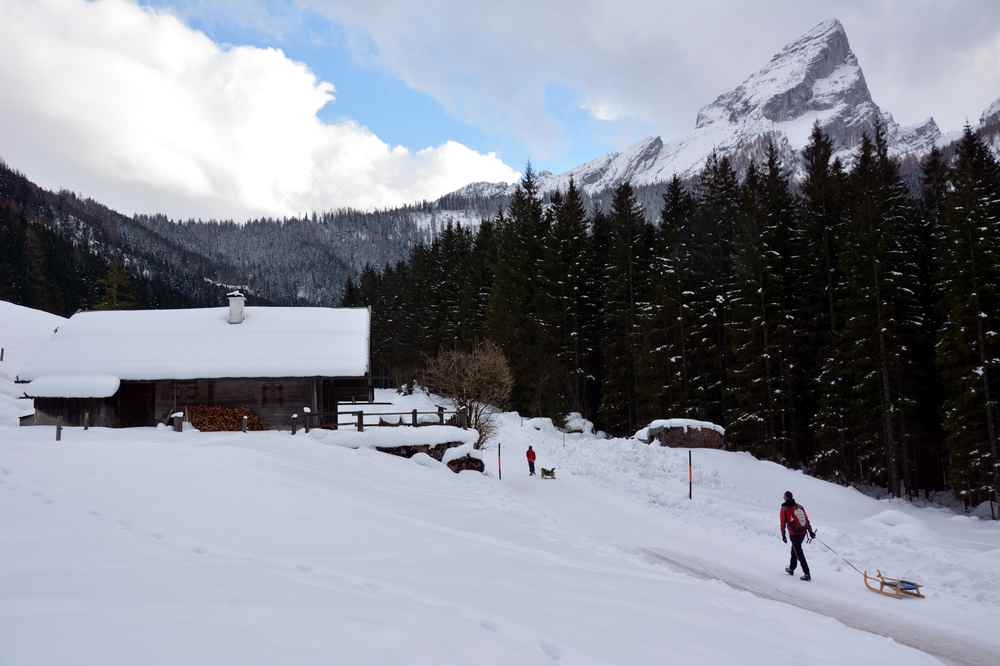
x: 815, y: 79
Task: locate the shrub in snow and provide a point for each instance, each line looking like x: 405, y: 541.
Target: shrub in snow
x: 478, y: 382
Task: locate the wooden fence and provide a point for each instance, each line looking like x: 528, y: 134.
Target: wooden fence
x: 332, y: 420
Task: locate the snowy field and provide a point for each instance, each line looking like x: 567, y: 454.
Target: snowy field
x: 153, y: 547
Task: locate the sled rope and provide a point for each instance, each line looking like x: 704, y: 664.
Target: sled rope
x: 840, y: 556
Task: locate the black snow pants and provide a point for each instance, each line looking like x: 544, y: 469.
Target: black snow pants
x: 531, y: 468
x: 798, y: 555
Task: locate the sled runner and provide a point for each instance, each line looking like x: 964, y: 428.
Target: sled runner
x: 549, y: 473
x: 892, y: 587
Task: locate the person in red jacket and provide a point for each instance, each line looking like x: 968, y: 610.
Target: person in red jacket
x: 531, y: 461
x: 794, y: 517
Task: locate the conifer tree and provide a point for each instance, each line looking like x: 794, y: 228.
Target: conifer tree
x: 672, y: 319
x: 970, y: 343
x: 715, y: 288
x: 117, y: 293
x: 764, y: 341
x: 627, y: 313
x: 564, y: 296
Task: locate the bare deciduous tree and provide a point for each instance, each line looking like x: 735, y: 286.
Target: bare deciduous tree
x: 479, y: 382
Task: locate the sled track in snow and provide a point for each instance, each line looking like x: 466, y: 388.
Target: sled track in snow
x: 948, y: 648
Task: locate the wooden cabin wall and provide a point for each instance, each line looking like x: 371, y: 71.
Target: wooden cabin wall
x: 70, y: 412
x: 273, y: 400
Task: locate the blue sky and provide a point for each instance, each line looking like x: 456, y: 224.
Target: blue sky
x: 367, y: 93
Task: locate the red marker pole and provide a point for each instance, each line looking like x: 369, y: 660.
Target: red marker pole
x: 690, y: 477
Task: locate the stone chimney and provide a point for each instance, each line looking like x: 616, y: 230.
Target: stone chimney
x: 236, y: 311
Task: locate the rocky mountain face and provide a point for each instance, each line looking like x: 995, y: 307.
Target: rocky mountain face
x: 815, y: 79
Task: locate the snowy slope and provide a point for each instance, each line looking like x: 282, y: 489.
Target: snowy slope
x: 22, y: 331
x: 814, y: 79
x: 264, y: 548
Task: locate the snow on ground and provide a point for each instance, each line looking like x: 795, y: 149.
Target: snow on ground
x: 149, y: 546
x: 730, y: 532
x: 22, y: 331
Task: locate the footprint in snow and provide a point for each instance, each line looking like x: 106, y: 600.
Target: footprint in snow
x: 304, y: 568
x: 157, y: 536
x: 6, y: 471
x: 201, y: 550
x: 550, y: 649
x: 95, y: 513
x: 488, y: 625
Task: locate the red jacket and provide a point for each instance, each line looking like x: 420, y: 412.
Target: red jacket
x: 531, y: 455
x: 787, y: 518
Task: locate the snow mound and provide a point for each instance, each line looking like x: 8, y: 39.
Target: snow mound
x: 574, y: 422
x: 22, y: 332
x: 391, y: 437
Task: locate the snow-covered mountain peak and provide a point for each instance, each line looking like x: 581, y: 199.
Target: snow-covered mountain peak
x: 816, y: 77
x: 814, y: 80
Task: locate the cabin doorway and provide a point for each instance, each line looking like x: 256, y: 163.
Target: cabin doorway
x: 136, y: 404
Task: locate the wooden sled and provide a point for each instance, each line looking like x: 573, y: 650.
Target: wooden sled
x: 549, y: 473
x: 892, y: 587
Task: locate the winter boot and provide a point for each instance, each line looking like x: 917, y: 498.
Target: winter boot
x: 790, y: 571
x: 806, y: 577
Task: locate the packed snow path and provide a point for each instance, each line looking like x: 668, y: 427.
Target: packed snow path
x: 148, y: 546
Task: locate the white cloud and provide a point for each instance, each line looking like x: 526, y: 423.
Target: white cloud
x: 656, y: 63
x: 136, y: 109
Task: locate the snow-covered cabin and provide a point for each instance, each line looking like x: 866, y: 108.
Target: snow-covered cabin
x: 136, y: 367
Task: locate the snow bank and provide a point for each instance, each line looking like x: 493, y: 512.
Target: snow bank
x: 685, y: 424
x: 390, y: 437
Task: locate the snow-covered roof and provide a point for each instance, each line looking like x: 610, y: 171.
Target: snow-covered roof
x: 74, y: 386
x: 92, y: 351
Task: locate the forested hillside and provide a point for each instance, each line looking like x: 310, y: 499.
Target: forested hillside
x: 845, y: 325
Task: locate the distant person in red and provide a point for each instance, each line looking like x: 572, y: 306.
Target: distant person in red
x: 531, y: 461
x: 795, y: 518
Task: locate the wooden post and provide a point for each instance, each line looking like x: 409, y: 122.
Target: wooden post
x: 499, y: 464
x: 59, y: 432
x: 86, y: 420
x: 440, y: 414
x: 690, y: 476
x: 361, y: 421
x: 336, y: 415
x: 308, y: 414
x: 414, y: 418
x: 243, y: 426
x: 295, y: 423
x: 1, y: 354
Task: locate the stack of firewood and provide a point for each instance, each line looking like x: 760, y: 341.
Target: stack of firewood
x: 213, y: 418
